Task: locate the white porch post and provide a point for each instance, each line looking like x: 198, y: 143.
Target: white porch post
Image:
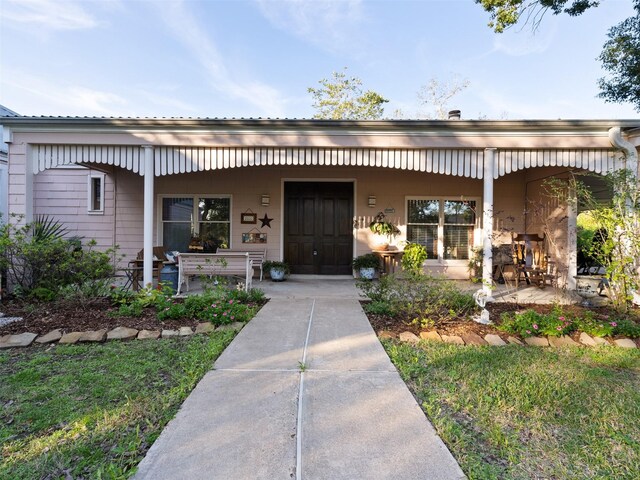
x: 487, y: 220
x: 572, y: 240
x: 148, y: 215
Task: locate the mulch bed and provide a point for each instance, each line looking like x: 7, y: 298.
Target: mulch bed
x: 97, y: 315
x: 459, y: 326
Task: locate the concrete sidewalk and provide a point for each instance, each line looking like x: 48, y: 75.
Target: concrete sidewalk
x: 304, y: 391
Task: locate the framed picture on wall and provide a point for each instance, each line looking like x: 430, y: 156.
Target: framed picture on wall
x: 249, y: 218
x: 254, y: 237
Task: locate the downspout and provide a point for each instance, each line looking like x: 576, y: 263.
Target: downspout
x: 631, y: 154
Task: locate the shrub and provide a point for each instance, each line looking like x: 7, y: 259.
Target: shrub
x: 37, y: 256
x: 413, y: 257
x: 420, y: 298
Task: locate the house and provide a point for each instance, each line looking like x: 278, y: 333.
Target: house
x: 4, y: 174
x: 307, y: 189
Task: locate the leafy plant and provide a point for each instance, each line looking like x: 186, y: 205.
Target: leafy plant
x: 413, y: 258
x: 369, y: 260
x: 381, y: 226
x: 276, y: 265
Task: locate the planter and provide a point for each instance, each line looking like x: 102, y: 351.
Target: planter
x: 587, y: 286
x: 367, y: 273
x: 380, y: 247
x: 277, y: 275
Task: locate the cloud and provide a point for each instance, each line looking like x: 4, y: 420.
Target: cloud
x: 33, y: 95
x: 525, y: 41
x: 328, y: 24
x: 186, y: 29
x: 50, y: 14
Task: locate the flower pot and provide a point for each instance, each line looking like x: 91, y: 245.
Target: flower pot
x: 277, y: 275
x: 367, y: 273
x: 587, y: 286
x: 381, y: 247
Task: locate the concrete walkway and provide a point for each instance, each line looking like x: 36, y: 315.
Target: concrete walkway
x: 304, y: 391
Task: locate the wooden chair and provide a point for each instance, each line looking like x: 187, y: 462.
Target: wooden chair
x: 136, y: 267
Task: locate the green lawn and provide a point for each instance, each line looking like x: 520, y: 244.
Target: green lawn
x: 523, y: 413
x: 92, y: 411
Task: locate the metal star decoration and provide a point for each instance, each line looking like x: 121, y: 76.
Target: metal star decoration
x: 266, y: 221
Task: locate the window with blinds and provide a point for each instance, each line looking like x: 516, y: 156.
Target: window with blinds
x: 445, y: 227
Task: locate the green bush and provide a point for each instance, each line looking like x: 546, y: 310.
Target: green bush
x: 413, y: 257
x: 37, y: 256
x: 420, y: 298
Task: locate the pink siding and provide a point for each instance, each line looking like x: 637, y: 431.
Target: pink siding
x: 62, y: 193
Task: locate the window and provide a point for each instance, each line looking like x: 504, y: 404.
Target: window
x: 445, y: 227
x: 206, y: 218
x: 96, y: 193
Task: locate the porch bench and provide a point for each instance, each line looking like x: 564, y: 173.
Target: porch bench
x: 231, y: 264
x: 258, y: 256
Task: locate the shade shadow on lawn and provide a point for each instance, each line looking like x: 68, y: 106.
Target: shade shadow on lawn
x: 516, y: 413
x: 92, y: 411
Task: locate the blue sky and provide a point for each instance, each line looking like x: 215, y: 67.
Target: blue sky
x: 256, y: 58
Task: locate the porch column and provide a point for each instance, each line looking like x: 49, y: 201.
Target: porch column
x: 572, y: 239
x: 147, y: 275
x: 487, y: 220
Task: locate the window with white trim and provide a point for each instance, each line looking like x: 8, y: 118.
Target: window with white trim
x: 444, y: 226
x: 95, y: 192
x: 187, y: 217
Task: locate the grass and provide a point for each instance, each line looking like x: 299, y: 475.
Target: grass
x: 520, y: 413
x: 92, y: 411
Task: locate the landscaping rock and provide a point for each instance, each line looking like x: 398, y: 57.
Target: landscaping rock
x: 471, y: 338
x: 562, y: 341
x: 454, y: 339
x: 148, y: 334
x: 433, y: 335
x: 587, y: 340
x: 185, y: 331
x: 625, y: 343
x: 71, y: 337
x: 601, y: 341
x: 21, y: 340
x: 384, y: 334
x: 514, y: 341
x: 52, y: 336
x: 7, y: 320
x: 537, y: 341
x: 170, y: 333
x: 231, y: 326
x: 122, y: 333
x: 494, y: 340
x: 205, y: 327
x: 409, y: 337
x: 93, y: 336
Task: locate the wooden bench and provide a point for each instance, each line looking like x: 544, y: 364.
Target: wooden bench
x: 258, y: 256
x: 232, y: 264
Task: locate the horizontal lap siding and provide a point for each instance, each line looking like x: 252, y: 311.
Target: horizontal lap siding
x: 62, y: 194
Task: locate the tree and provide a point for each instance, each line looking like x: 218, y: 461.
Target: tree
x: 620, y: 55
x: 437, y: 94
x: 621, y: 58
x: 342, y: 98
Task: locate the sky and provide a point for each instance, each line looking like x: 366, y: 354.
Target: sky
x: 257, y: 58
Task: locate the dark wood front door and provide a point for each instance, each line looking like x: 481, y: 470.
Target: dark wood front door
x: 318, y: 227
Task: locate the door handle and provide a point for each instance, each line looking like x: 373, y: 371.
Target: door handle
x: 315, y: 253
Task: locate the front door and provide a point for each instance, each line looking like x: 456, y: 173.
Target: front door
x: 318, y: 227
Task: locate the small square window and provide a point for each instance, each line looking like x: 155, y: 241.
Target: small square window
x: 96, y: 193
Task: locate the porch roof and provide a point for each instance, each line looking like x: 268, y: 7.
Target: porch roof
x: 450, y: 147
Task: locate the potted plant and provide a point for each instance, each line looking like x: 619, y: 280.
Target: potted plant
x: 382, y: 226
x: 277, y: 270
x: 366, y: 265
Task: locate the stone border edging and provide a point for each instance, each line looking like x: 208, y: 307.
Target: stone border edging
x: 495, y: 340
x: 97, y: 336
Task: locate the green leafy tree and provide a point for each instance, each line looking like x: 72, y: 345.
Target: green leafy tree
x: 620, y: 55
x: 343, y: 98
x: 621, y: 58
